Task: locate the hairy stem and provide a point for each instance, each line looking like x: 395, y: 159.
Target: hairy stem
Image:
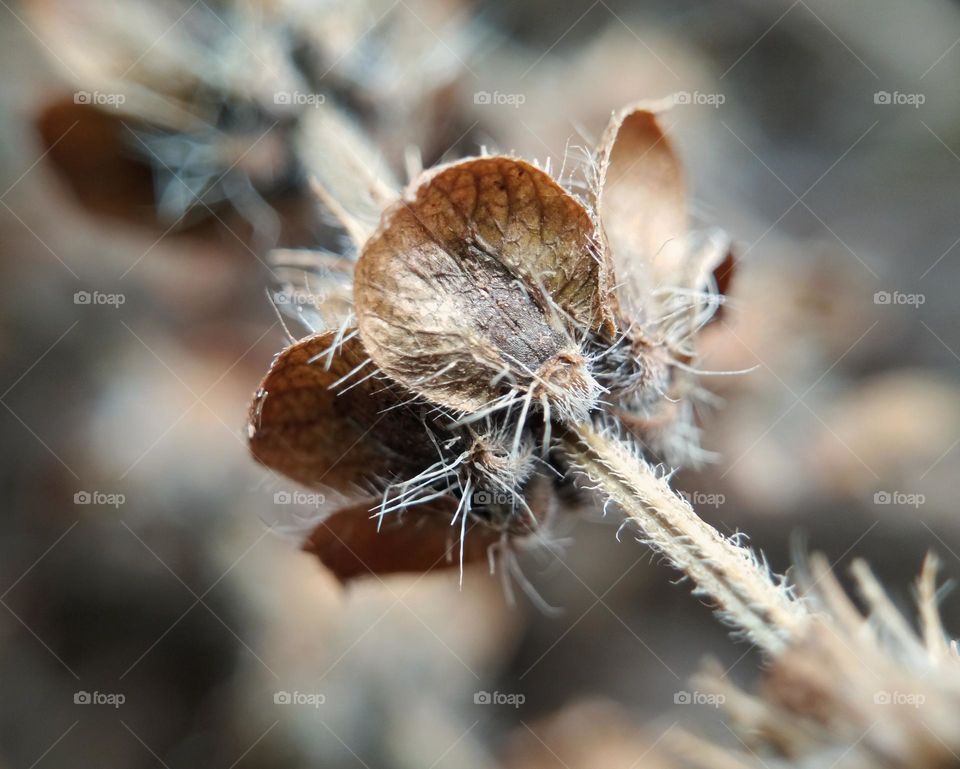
x: 745, y: 594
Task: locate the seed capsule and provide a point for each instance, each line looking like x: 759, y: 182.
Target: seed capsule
x: 480, y: 280
x: 488, y: 320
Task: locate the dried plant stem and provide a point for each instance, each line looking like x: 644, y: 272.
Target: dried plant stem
x: 731, y: 576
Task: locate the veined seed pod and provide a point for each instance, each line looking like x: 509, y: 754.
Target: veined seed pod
x: 320, y: 420
x: 494, y: 313
x: 670, y: 281
x: 480, y: 285
x: 326, y: 417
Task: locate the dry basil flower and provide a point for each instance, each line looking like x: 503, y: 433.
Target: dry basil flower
x: 493, y: 310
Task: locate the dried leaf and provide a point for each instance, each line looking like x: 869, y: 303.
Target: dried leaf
x: 476, y: 276
x: 338, y: 438
x: 349, y: 544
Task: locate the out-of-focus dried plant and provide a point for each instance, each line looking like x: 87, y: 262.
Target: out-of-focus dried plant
x: 593, y: 734
x: 502, y: 330
x: 164, y: 132
x: 217, y: 124
x: 855, y: 690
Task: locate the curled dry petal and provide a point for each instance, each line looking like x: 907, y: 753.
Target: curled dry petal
x: 350, y: 544
x: 475, y: 280
x: 339, y: 438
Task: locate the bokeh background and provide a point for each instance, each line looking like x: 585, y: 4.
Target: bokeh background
x: 154, y: 607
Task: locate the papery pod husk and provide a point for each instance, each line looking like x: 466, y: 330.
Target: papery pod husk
x: 641, y: 202
x: 353, y: 542
x: 481, y: 269
x: 344, y: 438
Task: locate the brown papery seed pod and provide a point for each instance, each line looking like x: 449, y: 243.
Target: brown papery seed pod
x: 641, y: 202
x: 326, y: 417
x: 353, y: 544
x: 488, y: 291
x: 480, y: 282
x: 308, y: 423
x: 670, y: 280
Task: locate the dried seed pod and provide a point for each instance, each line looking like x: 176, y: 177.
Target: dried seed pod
x: 186, y: 125
x: 352, y: 544
x: 305, y: 426
x: 668, y: 281
x: 487, y: 285
x: 641, y: 203
x: 481, y: 279
x: 640, y: 200
x: 325, y: 418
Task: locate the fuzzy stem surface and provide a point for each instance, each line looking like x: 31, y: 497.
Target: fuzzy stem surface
x: 739, y: 585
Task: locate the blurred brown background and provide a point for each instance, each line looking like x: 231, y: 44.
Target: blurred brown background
x: 155, y: 609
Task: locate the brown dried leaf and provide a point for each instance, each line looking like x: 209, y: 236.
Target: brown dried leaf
x: 464, y: 277
x: 349, y: 544
x: 340, y: 438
